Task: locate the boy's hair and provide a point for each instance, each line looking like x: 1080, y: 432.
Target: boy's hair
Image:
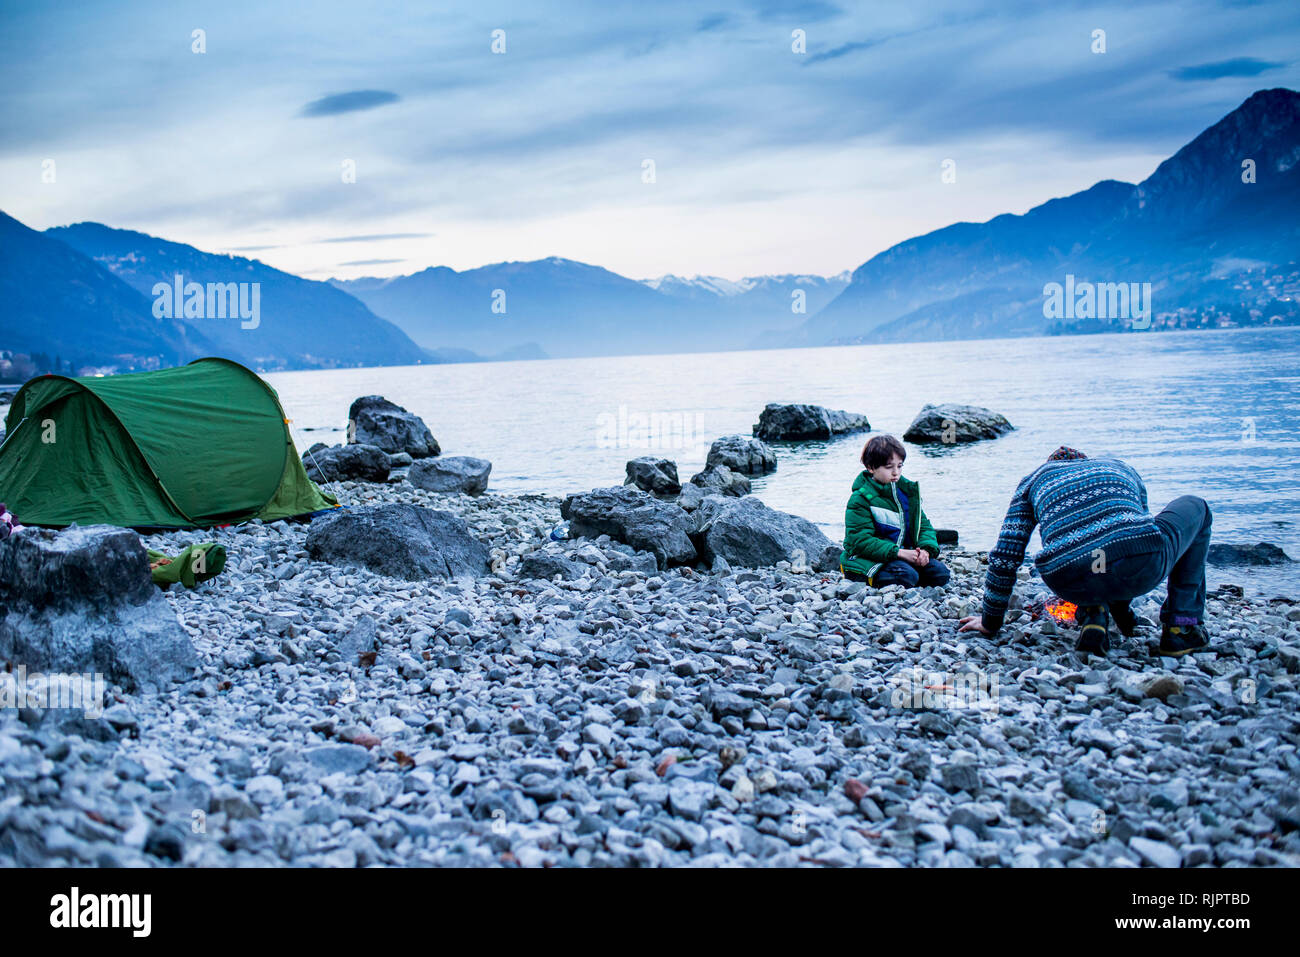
x: 880, y: 449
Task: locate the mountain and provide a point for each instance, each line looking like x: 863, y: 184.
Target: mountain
x: 760, y: 298
x: 561, y: 307
x: 1182, y: 229
x: 558, y: 306
x: 57, y: 301
x: 299, y: 323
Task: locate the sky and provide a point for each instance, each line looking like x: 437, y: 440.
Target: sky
x: 766, y: 158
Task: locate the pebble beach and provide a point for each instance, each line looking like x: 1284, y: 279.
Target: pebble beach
x: 630, y: 716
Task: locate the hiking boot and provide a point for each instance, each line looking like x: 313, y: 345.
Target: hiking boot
x: 1124, y: 618
x: 1094, y: 628
x: 1179, y: 640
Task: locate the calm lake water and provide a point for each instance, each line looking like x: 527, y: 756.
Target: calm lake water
x: 1215, y: 414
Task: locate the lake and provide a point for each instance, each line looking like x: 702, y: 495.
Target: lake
x: 1216, y: 414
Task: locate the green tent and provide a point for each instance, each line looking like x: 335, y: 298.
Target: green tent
x: 195, y: 446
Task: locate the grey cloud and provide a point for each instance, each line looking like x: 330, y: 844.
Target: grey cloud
x: 349, y: 102
x: 1238, y: 66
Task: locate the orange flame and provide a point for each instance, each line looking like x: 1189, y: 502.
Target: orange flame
x: 1062, y: 610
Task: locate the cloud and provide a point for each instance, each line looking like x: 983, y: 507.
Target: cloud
x: 1240, y: 66
x: 375, y: 237
x: 250, y: 249
x: 800, y: 11
x: 371, y: 262
x: 840, y: 51
x: 712, y: 21
x: 350, y: 102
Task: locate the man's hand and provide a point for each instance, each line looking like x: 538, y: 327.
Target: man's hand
x: 974, y: 623
x: 909, y: 555
x: 922, y: 558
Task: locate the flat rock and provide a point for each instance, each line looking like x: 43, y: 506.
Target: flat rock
x: 950, y: 424
x: 798, y: 421
x: 451, y: 473
x: 1262, y: 553
x: 346, y: 463
x: 402, y: 541
x: 749, y: 534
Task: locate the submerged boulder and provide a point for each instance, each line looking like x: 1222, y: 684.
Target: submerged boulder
x: 655, y: 475
x: 742, y: 453
x: 633, y: 517
x: 747, y: 533
x: 373, y: 420
x: 1263, y: 553
x: 794, y: 422
x: 82, y: 601
x: 346, y: 463
x: 451, y: 473
x: 953, y: 424
x: 401, y: 541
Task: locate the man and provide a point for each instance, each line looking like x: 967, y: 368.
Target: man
x: 1101, y: 549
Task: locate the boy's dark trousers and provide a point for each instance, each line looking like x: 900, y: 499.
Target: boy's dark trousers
x: 1185, y: 532
x: 899, y: 572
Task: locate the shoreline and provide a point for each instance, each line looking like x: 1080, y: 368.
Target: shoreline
x: 753, y: 717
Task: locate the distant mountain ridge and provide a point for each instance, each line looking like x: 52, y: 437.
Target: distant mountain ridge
x: 1175, y: 229
x: 303, y: 324
x: 55, y: 300
x: 569, y: 308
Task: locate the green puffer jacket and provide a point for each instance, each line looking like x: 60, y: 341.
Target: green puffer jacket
x: 873, y: 525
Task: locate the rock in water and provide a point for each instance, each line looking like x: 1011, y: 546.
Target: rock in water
x: 82, y: 600
x: 451, y: 473
x: 635, y: 518
x: 743, y: 454
x: 720, y: 479
x: 1262, y: 553
x: 749, y: 534
x: 655, y: 475
x: 401, y: 541
x: 376, y: 421
x: 779, y: 422
x: 954, y: 424
x: 346, y: 463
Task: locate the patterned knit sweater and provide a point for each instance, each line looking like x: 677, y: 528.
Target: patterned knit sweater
x: 1081, y: 505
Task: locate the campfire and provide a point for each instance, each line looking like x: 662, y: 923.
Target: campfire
x: 1058, y: 609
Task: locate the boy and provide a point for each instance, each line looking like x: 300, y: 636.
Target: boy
x: 887, y: 538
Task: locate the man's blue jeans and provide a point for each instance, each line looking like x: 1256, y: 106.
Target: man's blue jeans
x: 1185, y: 532
x: 899, y: 572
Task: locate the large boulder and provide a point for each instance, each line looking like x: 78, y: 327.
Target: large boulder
x: 82, y: 601
x: 635, y: 518
x: 1263, y: 553
x: 721, y: 480
x: 952, y: 424
x: 401, y: 541
x: 742, y: 453
x: 749, y: 534
x: 791, y: 423
x: 451, y: 473
x: 346, y: 463
x: 654, y: 475
x: 373, y: 420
